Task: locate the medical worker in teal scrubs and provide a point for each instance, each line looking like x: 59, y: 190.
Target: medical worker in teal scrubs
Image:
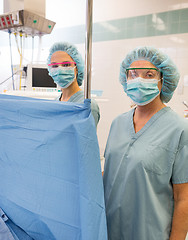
x: 146, y: 156
x: 66, y: 67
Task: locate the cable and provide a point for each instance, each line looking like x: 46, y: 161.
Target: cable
x: 39, y: 47
x: 185, y: 103
x: 16, y: 39
x: 21, y: 47
x: 32, y: 48
x: 9, y: 77
x: 15, y: 34
x: 11, y: 59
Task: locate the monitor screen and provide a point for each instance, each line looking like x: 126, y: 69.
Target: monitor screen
x: 40, y: 78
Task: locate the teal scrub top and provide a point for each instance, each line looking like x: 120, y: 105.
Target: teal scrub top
x: 78, y: 97
x: 140, y: 169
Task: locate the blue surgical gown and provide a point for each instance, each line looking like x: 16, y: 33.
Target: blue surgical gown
x: 140, y: 169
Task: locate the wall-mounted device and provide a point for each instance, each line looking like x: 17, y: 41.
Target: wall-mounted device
x: 25, y: 16
x: 26, y: 22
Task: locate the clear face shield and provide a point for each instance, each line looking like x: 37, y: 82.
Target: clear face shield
x: 142, y: 84
x: 144, y: 73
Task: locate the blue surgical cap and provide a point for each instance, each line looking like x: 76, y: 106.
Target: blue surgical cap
x: 161, y: 61
x: 75, y: 55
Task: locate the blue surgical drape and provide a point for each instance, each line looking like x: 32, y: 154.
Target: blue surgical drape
x: 50, y: 174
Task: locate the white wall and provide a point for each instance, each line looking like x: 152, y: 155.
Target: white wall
x: 107, y: 55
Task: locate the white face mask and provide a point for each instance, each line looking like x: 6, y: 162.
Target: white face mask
x: 142, y: 91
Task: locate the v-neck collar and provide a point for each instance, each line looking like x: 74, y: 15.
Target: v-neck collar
x: 157, y: 115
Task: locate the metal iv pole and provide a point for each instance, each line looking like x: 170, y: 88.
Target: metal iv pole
x: 88, y: 49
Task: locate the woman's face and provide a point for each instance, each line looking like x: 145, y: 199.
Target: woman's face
x: 63, y: 57
x: 144, y: 73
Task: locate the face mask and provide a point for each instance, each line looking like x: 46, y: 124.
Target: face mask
x: 142, y: 91
x: 63, y: 76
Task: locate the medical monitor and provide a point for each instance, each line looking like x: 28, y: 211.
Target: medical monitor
x: 39, y: 80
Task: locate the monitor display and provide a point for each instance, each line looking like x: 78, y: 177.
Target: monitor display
x: 40, y: 78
